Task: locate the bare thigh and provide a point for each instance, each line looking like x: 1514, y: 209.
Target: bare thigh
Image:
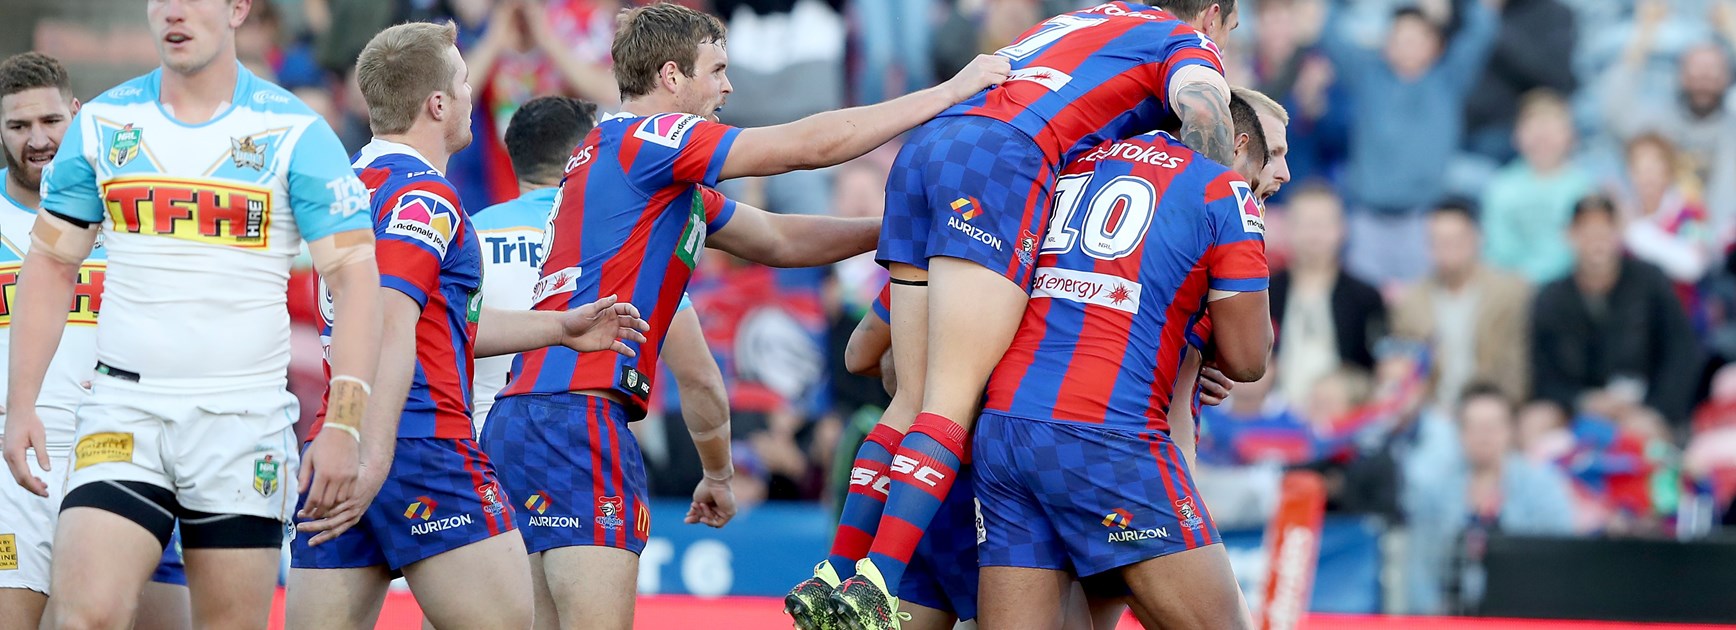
x: 1019, y: 598
x: 101, y: 562
x: 449, y: 586
x: 338, y: 599
x: 164, y: 607
x: 1193, y: 589
x: 593, y: 587
x: 231, y: 588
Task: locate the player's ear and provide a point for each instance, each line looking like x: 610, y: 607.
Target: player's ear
x: 1241, y: 140
x: 75, y: 105
x: 435, y: 104
x: 669, y: 76
x: 238, y: 10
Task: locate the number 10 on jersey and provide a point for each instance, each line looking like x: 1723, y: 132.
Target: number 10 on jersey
x: 1116, y: 217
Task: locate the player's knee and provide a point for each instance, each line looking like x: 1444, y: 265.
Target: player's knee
x: 89, y: 613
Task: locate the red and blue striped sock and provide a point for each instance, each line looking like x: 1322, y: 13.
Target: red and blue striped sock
x: 923, y: 470
x: 866, y: 500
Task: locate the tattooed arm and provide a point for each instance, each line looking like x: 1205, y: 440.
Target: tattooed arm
x: 1201, y: 100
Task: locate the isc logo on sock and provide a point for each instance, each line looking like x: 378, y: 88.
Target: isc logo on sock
x: 867, y: 477
x: 924, y: 474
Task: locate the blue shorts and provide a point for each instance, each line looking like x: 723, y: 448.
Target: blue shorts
x: 170, y: 570
x: 1082, y: 499
x: 968, y: 187
x: 440, y: 495
x: 943, y: 573
x: 574, y: 468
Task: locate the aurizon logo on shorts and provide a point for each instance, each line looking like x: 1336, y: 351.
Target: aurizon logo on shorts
x: 199, y: 210
x: 86, y: 295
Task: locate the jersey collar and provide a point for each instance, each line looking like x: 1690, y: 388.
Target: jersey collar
x: 4, y: 173
x: 377, y: 148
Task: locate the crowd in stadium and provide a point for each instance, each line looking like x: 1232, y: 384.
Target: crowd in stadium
x: 1503, y: 277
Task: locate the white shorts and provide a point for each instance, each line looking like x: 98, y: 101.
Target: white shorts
x: 27, y: 525
x: 228, y: 453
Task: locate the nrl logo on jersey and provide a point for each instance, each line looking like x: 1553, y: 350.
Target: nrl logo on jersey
x: 246, y: 153
x: 125, y: 145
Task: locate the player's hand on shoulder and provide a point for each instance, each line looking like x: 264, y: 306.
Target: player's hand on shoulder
x: 983, y: 72
x: 603, y: 325
x: 24, y: 432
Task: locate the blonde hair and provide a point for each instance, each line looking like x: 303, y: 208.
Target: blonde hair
x: 1262, y: 102
x: 400, y: 67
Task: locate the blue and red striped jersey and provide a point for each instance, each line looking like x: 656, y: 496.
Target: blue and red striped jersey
x: 427, y: 249
x: 1100, y: 74
x: 1141, y: 230
x: 631, y: 219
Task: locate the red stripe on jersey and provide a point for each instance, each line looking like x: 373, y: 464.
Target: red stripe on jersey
x: 1106, y: 332
x: 1103, y: 338
x: 1066, y: 55
x: 439, y: 356
x: 1088, y: 113
x: 1240, y: 260
x: 1188, y: 54
x: 691, y: 164
x: 1172, y: 343
x: 629, y: 148
x: 619, y: 277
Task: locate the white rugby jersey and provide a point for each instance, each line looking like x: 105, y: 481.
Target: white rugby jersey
x: 73, y: 364
x: 201, y: 223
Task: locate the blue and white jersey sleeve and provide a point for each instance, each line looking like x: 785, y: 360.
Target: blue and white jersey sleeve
x: 324, y: 193
x: 69, y: 183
